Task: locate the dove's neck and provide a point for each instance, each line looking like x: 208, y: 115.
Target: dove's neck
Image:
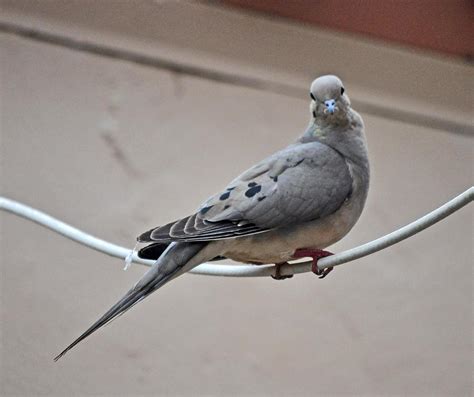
x: 344, y: 134
x: 347, y: 137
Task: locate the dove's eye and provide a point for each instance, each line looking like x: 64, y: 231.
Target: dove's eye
x: 342, y: 90
x: 312, y: 96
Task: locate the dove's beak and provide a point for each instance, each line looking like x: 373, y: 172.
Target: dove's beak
x: 330, y: 105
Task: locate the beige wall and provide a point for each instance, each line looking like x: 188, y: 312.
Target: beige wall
x: 115, y: 147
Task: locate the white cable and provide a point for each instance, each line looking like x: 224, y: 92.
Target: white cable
x: 244, y: 270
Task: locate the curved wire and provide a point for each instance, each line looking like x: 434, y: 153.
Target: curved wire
x: 209, y: 269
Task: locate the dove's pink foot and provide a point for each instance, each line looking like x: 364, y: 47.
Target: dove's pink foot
x: 278, y: 275
x: 316, y: 255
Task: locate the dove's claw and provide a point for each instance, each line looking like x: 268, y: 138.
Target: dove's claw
x: 316, y: 255
x: 278, y: 275
x: 322, y: 273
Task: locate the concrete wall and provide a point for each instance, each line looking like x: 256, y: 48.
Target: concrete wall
x: 115, y: 147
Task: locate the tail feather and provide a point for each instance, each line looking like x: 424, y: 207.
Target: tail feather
x: 168, y: 266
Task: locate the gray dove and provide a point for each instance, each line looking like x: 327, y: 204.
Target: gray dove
x: 291, y: 205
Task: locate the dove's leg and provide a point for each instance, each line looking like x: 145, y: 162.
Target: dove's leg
x: 316, y: 255
x: 278, y: 275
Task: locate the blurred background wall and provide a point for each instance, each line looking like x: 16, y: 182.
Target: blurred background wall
x: 117, y: 116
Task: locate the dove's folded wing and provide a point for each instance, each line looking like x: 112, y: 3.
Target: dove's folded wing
x: 301, y: 183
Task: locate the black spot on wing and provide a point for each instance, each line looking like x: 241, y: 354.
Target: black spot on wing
x: 253, y: 191
x: 224, y: 196
x: 205, y: 209
x: 252, y: 184
x: 262, y: 198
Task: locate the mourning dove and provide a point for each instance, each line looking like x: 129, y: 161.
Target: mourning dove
x: 292, y: 204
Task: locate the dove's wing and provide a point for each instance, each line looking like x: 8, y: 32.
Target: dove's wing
x: 301, y: 183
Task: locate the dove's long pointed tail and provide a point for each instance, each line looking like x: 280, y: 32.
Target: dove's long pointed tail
x: 173, y: 262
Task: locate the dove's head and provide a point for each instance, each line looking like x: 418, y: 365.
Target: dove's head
x: 329, y: 101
